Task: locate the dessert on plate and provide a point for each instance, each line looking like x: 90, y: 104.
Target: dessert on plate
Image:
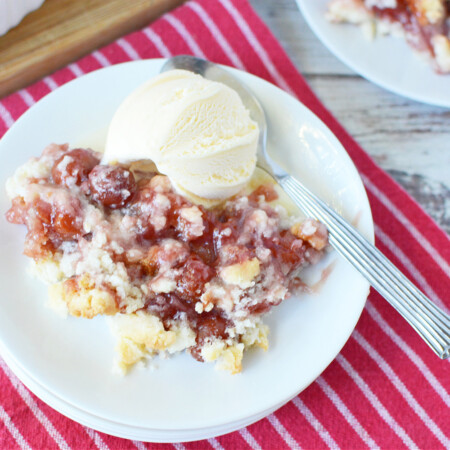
x: 170, y: 232
x: 425, y: 24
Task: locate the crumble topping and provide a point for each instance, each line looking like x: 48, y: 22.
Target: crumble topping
x: 119, y: 241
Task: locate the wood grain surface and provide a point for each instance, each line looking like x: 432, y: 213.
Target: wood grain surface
x: 410, y: 140
x: 64, y: 30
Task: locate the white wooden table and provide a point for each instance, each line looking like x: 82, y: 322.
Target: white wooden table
x: 409, y: 140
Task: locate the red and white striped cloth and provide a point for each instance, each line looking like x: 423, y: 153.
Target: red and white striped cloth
x: 386, y: 389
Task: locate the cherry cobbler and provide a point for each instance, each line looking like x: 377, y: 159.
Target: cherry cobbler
x: 119, y: 241
x: 425, y: 24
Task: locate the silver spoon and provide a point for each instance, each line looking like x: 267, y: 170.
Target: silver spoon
x: 432, y: 324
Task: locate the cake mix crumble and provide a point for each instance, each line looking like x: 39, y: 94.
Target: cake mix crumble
x: 173, y: 276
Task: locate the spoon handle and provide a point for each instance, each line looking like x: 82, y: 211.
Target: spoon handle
x: 432, y: 323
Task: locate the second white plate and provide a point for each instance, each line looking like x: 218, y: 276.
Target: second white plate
x: 386, y: 61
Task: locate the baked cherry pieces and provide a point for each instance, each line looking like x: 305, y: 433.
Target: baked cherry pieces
x: 173, y: 276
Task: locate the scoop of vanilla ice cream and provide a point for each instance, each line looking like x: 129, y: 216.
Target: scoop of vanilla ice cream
x: 196, y: 131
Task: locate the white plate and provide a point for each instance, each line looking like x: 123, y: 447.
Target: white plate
x: 120, y: 430
x: 70, y: 360
x: 386, y: 61
x: 13, y: 11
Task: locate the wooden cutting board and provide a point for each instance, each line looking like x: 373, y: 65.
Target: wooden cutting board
x: 62, y: 31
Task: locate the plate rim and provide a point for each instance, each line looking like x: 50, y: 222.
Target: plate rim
x: 134, y: 432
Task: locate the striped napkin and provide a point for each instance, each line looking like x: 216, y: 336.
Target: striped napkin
x: 386, y: 389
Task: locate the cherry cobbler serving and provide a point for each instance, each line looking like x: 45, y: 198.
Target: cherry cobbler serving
x: 119, y: 241
x: 425, y: 24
